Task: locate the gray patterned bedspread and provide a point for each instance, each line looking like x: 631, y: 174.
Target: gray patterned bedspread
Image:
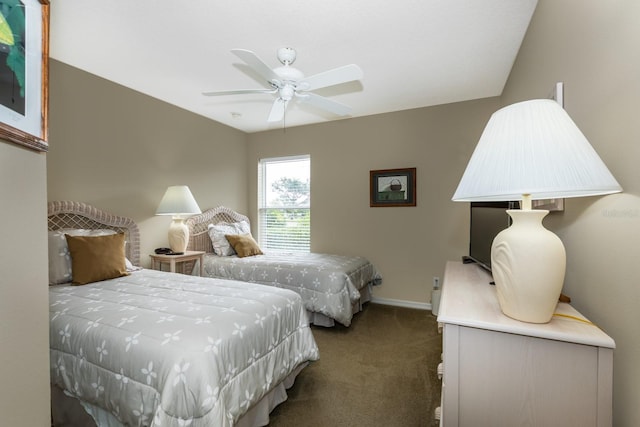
x: 165, y: 349
x: 328, y: 284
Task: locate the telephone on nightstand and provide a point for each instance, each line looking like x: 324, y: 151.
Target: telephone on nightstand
x: 166, y: 251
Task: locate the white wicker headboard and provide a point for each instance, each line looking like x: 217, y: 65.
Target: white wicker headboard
x: 67, y: 214
x: 199, y: 239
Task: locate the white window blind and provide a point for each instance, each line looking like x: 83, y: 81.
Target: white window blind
x: 284, y: 208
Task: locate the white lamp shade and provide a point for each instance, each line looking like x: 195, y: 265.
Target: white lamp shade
x: 178, y: 200
x: 533, y: 147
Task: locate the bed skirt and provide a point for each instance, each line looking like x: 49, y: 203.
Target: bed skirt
x: 67, y: 411
x: 319, y: 319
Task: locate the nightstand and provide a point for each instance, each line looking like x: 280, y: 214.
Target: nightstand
x: 158, y: 259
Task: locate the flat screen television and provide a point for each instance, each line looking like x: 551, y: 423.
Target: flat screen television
x: 487, y: 220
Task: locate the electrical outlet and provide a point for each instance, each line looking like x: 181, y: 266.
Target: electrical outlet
x: 436, y: 282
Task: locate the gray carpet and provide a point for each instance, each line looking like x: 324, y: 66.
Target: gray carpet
x: 381, y: 371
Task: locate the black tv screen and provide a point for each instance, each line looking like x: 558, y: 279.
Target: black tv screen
x: 487, y: 220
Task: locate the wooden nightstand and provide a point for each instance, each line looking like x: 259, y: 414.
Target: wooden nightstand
x: 158, y: 259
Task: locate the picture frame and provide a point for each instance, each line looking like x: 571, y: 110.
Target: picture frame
x: 392, y: 187
x: 24, y: 68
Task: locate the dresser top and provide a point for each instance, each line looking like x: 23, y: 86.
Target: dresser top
x: 469, y: 300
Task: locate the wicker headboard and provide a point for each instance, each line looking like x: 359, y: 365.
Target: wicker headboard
x: 199, y: 239
x: 66, y: 214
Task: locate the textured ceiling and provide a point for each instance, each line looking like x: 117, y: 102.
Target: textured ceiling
x: 414, y: 53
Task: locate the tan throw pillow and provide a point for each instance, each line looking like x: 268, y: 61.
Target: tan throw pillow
x: 96, y: 258
x: 59, y: 257
x: 244, y: 245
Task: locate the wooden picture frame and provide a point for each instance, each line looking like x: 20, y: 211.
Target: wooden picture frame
x: 24, y: 67
x: 392, y: 187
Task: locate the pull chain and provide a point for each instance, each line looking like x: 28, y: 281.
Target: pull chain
x: 284, y: 119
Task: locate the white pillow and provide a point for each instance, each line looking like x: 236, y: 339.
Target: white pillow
x: 217, y: 233
x: 59, y: 257
x: 129, y: 265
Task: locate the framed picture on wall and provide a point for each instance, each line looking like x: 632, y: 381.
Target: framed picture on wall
x: 24, y: 72
x: 392, y: 187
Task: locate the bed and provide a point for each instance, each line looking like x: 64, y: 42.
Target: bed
x: 333, y: 287
x: 151, y: 348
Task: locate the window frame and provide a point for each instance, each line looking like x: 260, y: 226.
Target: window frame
x: 302, y: 246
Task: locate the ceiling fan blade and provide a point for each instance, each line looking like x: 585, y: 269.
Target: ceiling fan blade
x: 277, y: 111
x: 325, y: 104
x: 257, y: 64
x: 332, y: 77
x: 238, y: 92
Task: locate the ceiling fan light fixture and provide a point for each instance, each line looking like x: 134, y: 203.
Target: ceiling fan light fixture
x: 287, y: 92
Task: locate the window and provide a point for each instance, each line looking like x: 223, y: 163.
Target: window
x: 284, y: 208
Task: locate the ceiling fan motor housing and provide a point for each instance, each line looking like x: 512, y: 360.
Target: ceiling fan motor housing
x: 289, y: 74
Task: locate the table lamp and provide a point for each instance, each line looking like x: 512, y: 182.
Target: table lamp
x: 528, y: 151
x: 178, y: 201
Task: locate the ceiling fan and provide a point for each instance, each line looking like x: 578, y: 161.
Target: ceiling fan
x: 289, y: 83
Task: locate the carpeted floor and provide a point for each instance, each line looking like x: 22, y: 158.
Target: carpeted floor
x: 381, y: 371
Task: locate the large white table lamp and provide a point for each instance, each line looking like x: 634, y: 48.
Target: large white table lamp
x: 178, y: 201
x: 528, y: 151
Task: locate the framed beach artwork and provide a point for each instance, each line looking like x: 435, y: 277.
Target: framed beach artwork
x: 392, y: 187
x: 24, y: 72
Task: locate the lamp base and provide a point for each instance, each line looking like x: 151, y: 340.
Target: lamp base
x: 528, y: 263
x: 178, y: 235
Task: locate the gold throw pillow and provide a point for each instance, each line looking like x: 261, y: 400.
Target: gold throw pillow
x: 244, y: 244
x: 96, y: 258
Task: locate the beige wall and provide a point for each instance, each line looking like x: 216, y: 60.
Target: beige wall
x: 24, y: 299
x: 119, y: 150
x: 409, y: 245
x: 592, y: 46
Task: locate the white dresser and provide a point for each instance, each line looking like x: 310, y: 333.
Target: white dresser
x: 498, y: 371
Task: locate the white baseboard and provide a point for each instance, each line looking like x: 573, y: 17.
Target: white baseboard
x: 402, y: 303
